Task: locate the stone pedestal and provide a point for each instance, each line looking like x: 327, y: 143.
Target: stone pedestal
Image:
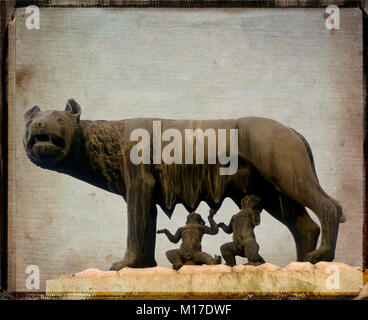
x: 301, y: 279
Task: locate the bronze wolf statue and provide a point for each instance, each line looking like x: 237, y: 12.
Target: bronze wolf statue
x: 275, y: 163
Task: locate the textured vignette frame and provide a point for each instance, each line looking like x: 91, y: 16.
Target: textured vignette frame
x: 6, y: 18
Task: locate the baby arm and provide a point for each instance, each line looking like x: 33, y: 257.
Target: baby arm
x: 214, y: 228
x: 172, y: 238
x: 227, y: 229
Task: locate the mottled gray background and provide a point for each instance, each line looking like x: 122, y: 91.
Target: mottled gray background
x: 180, y: 63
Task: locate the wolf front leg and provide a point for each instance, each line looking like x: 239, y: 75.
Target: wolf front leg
x: 142, y: 217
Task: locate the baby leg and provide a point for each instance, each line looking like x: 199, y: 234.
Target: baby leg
x: 228, y: 252
x: 251, y: 249
x: 200, y: 258
x: 174, y: 257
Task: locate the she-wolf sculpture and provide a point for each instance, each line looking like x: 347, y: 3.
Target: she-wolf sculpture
x: 275, y: 163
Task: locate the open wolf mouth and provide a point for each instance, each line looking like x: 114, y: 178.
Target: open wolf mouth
x: 46, y: 139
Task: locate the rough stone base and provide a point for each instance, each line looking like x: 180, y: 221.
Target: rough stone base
x: 297, y: 278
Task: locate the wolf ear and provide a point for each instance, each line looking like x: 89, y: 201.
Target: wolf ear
x: 74, y: 108
x: 29, y: 114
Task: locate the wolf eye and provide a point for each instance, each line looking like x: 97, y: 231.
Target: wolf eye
x: 60, y: 121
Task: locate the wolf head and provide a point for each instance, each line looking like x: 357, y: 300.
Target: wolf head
x: 49, y: 135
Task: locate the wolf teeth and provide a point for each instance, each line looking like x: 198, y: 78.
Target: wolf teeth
x: 45, y: 138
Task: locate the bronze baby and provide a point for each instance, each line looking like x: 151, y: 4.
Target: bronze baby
x: 190, y: 252
x: 242, y: 225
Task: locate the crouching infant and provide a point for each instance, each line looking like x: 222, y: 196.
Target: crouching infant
x: 242, y: 226
x: 190, y: 252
